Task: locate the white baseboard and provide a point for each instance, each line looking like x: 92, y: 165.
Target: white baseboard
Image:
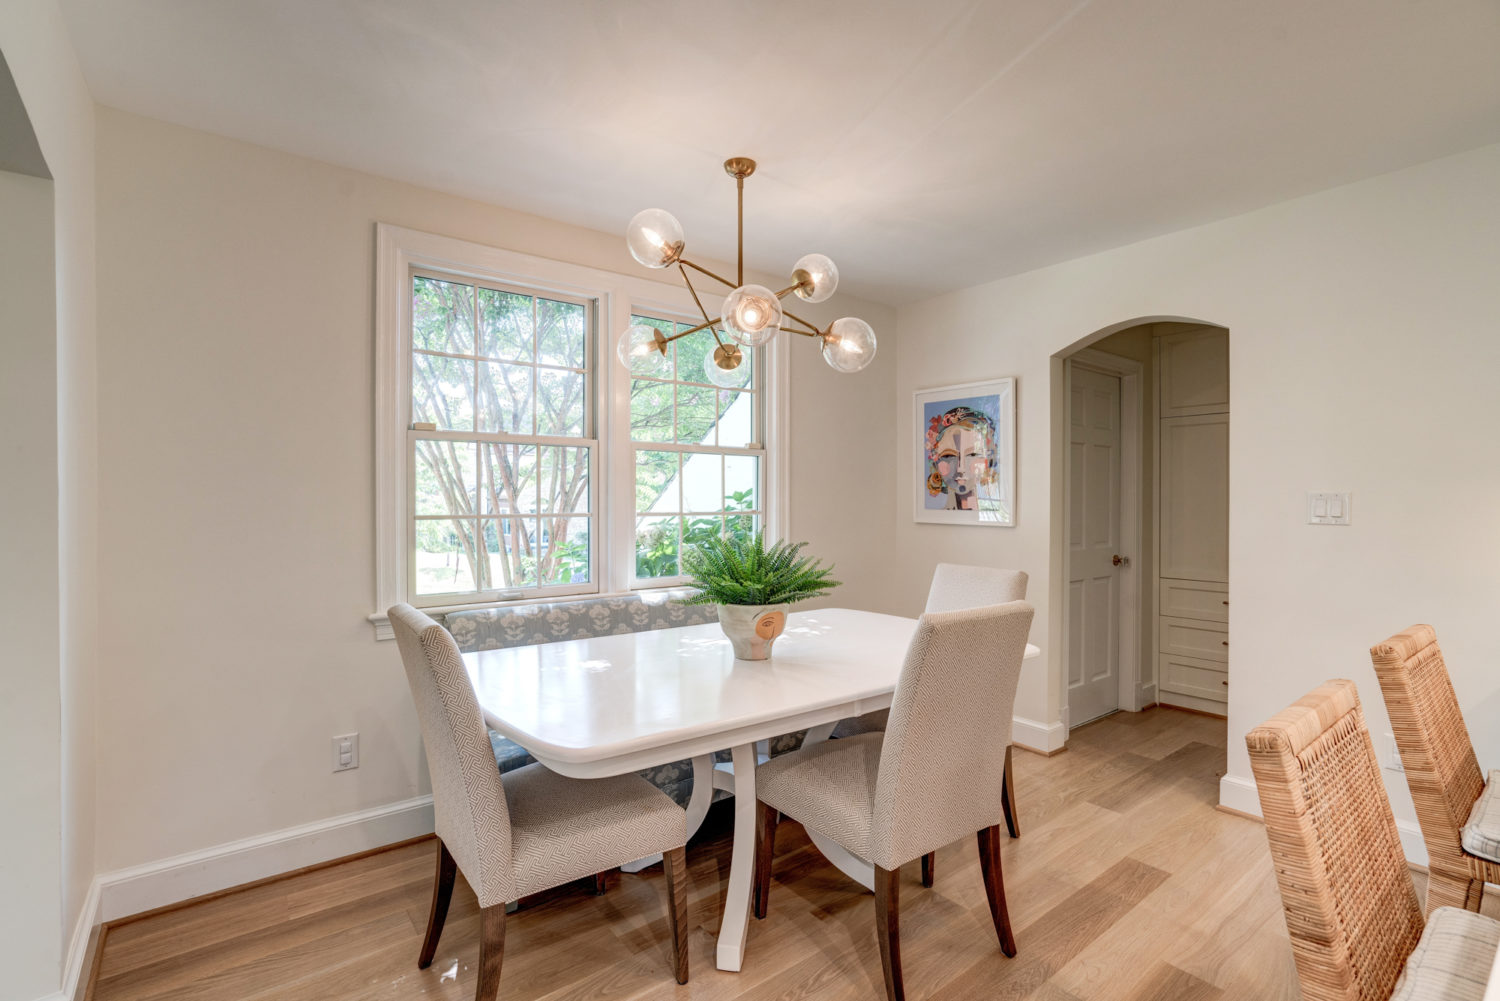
x: 1239, y: 794
x: 72, y: 972
x: 1044, y: 737
x: 168, y: 881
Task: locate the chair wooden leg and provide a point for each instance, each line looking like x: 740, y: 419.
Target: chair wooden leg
x: 442, y: 895
x: 1445, y: 889
x: 1008, y: 799
x: 491, y: 952
x: 888, y: 930
x: 929, y: 867
x: 994, y: 885
x: 765, y: 849
x: 600, y: 886
x: 675, y: 864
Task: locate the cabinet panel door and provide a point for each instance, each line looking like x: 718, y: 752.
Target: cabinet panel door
x: 1187, y: 676
x: 1194, y: 599
x: 1193, y: 369
x: 1194, y: 498
x: 1194, y: 638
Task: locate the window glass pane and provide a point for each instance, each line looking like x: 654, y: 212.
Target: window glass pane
x: 696, y: 414
x: 741, y: 482
x: 505, y: 325
x: 737, y: 423
x: 656, y: 547
x: 447, y: 477
x: 691, y: 351
x: 565, y: 479
x: 505, y: 398
x: 703, y: 482
x: 656, y: 486
x: 565, y: 551
x: 510, y: 482
x: 740, y: 527
x: 442, y: 392
x: 446, y: 556
x: 696, y: 531
x: 559, y: 402
x: 510, y: 549
x: 442, y: 316
x: 559, y: 333
x: 650, y: 410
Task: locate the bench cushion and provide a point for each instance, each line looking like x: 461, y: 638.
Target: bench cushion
x: 1482, y: 833
x: 1452, y: 960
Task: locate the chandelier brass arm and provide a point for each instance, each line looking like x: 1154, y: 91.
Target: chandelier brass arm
x: 751, y: 314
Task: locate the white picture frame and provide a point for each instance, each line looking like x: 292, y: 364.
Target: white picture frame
x: 964, y: 440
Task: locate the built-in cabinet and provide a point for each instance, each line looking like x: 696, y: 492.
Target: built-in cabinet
x: 1192, y: 528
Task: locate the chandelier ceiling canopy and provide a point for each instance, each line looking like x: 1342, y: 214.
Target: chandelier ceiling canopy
x: 751, y: 314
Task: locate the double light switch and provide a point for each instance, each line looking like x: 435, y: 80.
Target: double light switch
x: 1327, y: 509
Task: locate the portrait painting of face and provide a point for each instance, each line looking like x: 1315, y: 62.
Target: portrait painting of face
x: 961, y: 454
x: 965, y: 462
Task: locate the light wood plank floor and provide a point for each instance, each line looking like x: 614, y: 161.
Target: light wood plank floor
x: 1126, y: 885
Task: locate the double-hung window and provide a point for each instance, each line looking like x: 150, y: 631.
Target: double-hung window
x: 697, y: 452
x: 518, y: 460
x: 502, y: 449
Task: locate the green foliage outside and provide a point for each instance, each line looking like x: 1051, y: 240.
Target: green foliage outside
x: 731, y: 571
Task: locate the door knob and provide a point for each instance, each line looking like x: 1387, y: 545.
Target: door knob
x: 1121, y: 561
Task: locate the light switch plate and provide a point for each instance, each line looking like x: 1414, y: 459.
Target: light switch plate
x: 1328, y: 508
x: 345, y: 752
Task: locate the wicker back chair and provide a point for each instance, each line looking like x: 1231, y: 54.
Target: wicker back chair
x: 1351, y: 908
x: 1439, y: 760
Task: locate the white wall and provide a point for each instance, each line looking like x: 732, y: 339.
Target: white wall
x: 236, y: 406
x: 34, y: 39
x: 1363, y: 357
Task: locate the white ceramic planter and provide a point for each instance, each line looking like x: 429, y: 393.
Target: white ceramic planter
x: 752, y: 628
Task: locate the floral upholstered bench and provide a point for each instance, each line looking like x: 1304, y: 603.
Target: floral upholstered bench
x: 525, y: 625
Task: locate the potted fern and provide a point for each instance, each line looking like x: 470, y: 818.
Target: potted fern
x: 753, y: 586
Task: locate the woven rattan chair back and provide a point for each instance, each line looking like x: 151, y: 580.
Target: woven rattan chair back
x: 1350, y: 905
x: 1436, y: 753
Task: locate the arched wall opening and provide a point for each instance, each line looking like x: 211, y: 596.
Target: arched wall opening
x: 1116, y: 366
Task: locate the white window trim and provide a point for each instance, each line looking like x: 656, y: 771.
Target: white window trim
x: 397, y: 251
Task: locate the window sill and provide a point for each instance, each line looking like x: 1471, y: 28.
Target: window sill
x: 652, y: 595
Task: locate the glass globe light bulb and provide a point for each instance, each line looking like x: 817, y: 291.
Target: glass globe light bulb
x: 732, y: 377
x: 819, y: 274
x: 654, y: 237
x: 849, y: 344
x: 641, y: 351
x: 752, y: 315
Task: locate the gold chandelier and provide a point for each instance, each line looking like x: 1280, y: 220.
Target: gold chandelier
x: 751, y: 314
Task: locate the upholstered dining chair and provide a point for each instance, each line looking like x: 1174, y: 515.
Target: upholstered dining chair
x: 1357, y: 930
x: 1458, y: 811
x: 896, y: 796
x: 534, y: 831
x: 955, y: 586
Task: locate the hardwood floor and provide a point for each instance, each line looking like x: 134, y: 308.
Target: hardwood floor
x: 1127, y: 885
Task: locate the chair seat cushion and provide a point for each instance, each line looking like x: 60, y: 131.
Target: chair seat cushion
x: 1452, y: 960
x: 563, y: 829
x: 829, y: 787
x: 1482, y: 833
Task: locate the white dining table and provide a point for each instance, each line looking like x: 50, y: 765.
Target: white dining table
x: 610, y: 705
x: 1492, y: 989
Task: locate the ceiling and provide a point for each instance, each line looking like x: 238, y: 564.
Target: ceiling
x: 924, y: 146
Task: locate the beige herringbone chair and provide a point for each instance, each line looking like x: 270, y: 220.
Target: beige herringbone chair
x: 896, y: 796
x: 1351, y: 909
x: 956, y: 586
x: 1458, y: 811
x: 535, y: 831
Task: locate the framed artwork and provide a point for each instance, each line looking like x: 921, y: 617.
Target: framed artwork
x: 966, y: 454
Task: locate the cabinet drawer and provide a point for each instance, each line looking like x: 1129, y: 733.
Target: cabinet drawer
x: 1194, y: 638
x: 1191, y: 676
x: 1194, y: 599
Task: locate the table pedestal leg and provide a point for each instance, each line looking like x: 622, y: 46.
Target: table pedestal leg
x: 847, y: 862
x: 735, y: 924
